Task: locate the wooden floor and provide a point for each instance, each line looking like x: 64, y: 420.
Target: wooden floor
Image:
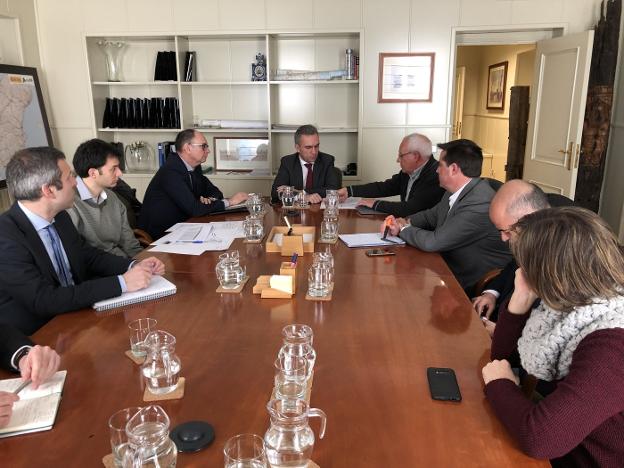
x: 390, y: 318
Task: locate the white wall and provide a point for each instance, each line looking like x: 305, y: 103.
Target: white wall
x: 389, y: 26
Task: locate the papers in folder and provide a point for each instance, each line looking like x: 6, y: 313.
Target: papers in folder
x: 36, y: 409
x: 369, y: 239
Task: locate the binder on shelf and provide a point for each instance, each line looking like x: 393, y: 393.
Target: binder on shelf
x: 158, y: 287
x: 189, y: 66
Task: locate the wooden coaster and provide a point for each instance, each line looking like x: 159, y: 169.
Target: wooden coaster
x: 136, y: 359
x: 174, y: 395
x: 235, y: 290
x: 322, y: 241
x: 109, y: 461
x: 320, y: 299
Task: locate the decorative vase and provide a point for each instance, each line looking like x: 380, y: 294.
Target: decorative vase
x: 113, y: 50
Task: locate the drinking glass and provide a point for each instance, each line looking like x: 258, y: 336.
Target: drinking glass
x: 253, y: 227
x: 118, y: 437
x: 287, y: 195
x: 291, y: 376
x: 245, y: 451
x: 327, y: 259
x: 319, y: 280
x: 138, y: 330
x: 230, y: 272
x: 300, y: 200
x: 329, y: 229
x: 331, y: 198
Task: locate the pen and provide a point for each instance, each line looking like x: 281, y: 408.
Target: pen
x: 293, y: 260
x: 289, y: 226
x: 22, y: 386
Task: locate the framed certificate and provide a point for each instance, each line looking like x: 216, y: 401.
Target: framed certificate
x: 405, y: 77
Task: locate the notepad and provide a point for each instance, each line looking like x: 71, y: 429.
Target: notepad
x: 36, y: 409
x: 158, y: 287
x: 369, y: 239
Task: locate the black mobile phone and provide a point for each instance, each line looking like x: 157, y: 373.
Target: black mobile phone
x: 443, y: 384
x: 379, y: 252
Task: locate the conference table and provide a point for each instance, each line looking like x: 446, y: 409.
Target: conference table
x: 388, y: 320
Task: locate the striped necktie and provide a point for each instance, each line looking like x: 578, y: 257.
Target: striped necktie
x: 63, y: 270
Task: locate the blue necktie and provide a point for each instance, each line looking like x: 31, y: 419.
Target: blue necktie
x: 63, y: 268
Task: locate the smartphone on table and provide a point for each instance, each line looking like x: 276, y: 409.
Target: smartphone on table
x: 443, y: 384
x: 379, y: 252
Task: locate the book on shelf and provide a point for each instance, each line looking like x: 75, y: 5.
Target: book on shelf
x: 189, y: 66
x: 164, y: 149
x: 36, y: 410
x: 158, y: 287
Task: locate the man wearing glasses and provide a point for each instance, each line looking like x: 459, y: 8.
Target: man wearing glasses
x: 416, y: 183
x: 179, y: 190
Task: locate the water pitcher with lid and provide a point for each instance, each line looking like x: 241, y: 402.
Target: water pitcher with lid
x: 149, y: 444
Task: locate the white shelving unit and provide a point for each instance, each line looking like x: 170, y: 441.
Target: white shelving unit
x: 224, y: 90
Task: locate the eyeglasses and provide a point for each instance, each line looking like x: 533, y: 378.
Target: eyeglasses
x: 405, y: 154
x: 203, y: 146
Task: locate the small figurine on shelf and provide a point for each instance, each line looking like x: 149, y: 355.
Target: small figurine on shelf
x: 258, y: 69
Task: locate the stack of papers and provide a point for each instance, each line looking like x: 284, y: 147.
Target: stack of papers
x: 197, y: 238
x: 369, y: 239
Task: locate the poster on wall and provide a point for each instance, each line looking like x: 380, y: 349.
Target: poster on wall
x: 405, y: 77
x: 23, y: 120
x: 497, y: 81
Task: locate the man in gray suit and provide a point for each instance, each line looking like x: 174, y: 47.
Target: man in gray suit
x: 459, y: 226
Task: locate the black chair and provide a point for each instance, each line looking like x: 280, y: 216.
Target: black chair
x: 495, y: 184
x: 557, y: 200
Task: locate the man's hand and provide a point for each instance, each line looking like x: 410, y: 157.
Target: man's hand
x: 484, y: 304
x: 153, y: 265
x: 39, y: 365
x: 314, y: 198
x: 237, y: 198
x: 206, y: 200
x: 498, y: 370
x: 395, y: 225
x: 138, y: 277
x: 523, y: 296
x: 343, y: 194
x: 6, y: 407
x: 489, y: 326
x: 281, y: 188
x: 366, y: 202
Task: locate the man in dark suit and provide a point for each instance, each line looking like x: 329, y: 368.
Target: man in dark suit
x: 18, y: 353
x: 179, y: 190
x: 307, y: 169
x: 417, y: 182
x: 45, y: 266
x: 459, y: 226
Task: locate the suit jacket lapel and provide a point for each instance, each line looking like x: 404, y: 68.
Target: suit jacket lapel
x: 443, y: 210
x: 298, y: 173
x: 467, y: 189
x: 35, y: 243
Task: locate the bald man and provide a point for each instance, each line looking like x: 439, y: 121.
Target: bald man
x: 416, y: 183
x: 515, y: 199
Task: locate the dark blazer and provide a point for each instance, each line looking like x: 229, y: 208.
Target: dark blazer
x: 11, y: 339
x: 290, y: 173
x: 424, y: 194
x: 30, y: 284
x: 464, y: 236
x: 170, y: 198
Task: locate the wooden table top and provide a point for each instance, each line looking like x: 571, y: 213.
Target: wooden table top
x: 390, y: 318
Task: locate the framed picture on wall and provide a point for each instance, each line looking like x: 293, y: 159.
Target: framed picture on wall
x: 405, y: 77
x: 23, y: 120
x: 497, y: 81
x: 244, y: 154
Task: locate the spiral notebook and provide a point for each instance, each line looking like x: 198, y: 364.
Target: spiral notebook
x: 158, y: 287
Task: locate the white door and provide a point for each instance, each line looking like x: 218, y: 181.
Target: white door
x: 458, y: 102
x: 557, y: 111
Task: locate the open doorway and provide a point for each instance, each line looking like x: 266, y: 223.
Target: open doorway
x: 473, y: 118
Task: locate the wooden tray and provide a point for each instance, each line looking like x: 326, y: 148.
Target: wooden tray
x: 297, y: 233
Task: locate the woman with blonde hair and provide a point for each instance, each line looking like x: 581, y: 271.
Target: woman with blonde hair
x: 573, y: 341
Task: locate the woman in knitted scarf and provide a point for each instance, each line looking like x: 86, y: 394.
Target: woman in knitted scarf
x: 573, y: 341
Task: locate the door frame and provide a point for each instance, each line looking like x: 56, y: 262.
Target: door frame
x: 493, y: 35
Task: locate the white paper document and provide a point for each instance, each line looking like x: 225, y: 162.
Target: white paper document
x: 36, y: 409
x: 349, y: 204
x: 369, y: 239
x: 197, y: 238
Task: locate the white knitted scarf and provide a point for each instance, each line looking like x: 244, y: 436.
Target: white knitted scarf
x: 550, y: 337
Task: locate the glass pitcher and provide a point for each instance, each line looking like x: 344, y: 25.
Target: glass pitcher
x: 149, y: 444
x: 161, y: 368
x: 289, y: 440
x: 287, y: 196
x: 229, y: 271
x: 254, y: 228
x: 298, y: 342
x: 255, y: 205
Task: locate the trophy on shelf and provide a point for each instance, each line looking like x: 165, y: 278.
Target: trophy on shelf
x: 113, y: 50
x: 258, y: 69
